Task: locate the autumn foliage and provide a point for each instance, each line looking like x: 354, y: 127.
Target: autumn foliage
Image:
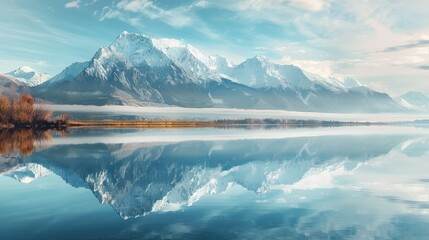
x: 24, y: 113
x: 5, y: 109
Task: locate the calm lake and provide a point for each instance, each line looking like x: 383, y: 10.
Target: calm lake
x: 277, y: 183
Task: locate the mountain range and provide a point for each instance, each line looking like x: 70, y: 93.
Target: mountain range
x: 138, y: 70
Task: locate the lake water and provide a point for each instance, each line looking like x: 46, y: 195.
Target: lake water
x: 306, y: 183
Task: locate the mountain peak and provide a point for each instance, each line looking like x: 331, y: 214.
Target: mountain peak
x: 126, y: 34
x: 26, y: 69
x: 133, y: 40
x: 261, y: 58
x: 123, y: 33
x: 29, y: 76
x: 220, y: 64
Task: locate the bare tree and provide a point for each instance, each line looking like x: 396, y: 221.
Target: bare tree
x: 41, y: 114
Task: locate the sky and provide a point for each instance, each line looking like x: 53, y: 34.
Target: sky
x: 384, y: 44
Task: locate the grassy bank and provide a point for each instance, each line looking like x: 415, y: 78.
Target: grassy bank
x: 217, y: 123
x: 140, y: 124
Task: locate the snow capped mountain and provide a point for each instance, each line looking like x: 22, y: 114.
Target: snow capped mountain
x: 415, y: 101
x: 190, y: 59
x: 144, y: 55
x: 260, y: 72
x: 138, y: 48
x: 138, y: 70
x: 220, y: 64
x: 29, y: 76
x: 70, y: 72
x: 143, y: 50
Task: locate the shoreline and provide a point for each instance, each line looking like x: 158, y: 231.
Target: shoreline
x: 247, y: 123
x: 139, y: 124
x: 204, y: 124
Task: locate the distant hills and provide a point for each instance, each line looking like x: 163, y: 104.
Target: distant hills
x: 138, y: 70
x: 11, y: 87
x: 29, y: 76
x: 415, y: 101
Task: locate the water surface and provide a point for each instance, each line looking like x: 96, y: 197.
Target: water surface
x: 321, y: 183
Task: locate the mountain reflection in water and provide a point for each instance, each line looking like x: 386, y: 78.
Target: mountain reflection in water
x: 143, y: 179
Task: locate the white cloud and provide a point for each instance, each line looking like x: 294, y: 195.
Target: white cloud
x: 178, y: 17
x: 258, y: 4
x: 175, y: 17
x: 73, y: 4
x: 312, y: 5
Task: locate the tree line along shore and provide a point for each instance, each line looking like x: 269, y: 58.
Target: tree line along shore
x: 22, y: 113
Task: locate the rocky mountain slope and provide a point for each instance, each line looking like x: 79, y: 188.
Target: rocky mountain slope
x: 138, y: 70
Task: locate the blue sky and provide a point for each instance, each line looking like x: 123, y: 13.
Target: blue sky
x: 382, y: 43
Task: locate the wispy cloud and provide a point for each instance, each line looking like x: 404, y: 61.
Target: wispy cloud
x: 175, y: 17
x: 179, y: 17
x: 420, y: 43
x: 257, y: 4
x: 73, y: 4
x: 312, y: 5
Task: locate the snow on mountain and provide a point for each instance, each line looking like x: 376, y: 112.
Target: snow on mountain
x: 330, y: 83
x: 257, y: 72
x: 138, y: 48
x: 29, y: 76
x: 139, y: 53
x: 408, y: 105
x: 143, y: 50
x: 70, y: 72
x: 28, y: 173
x: 260, y: 72
x: 138, y: 70
x: 220, y: 64
x: 415, y: 101
x: 190, y: 59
